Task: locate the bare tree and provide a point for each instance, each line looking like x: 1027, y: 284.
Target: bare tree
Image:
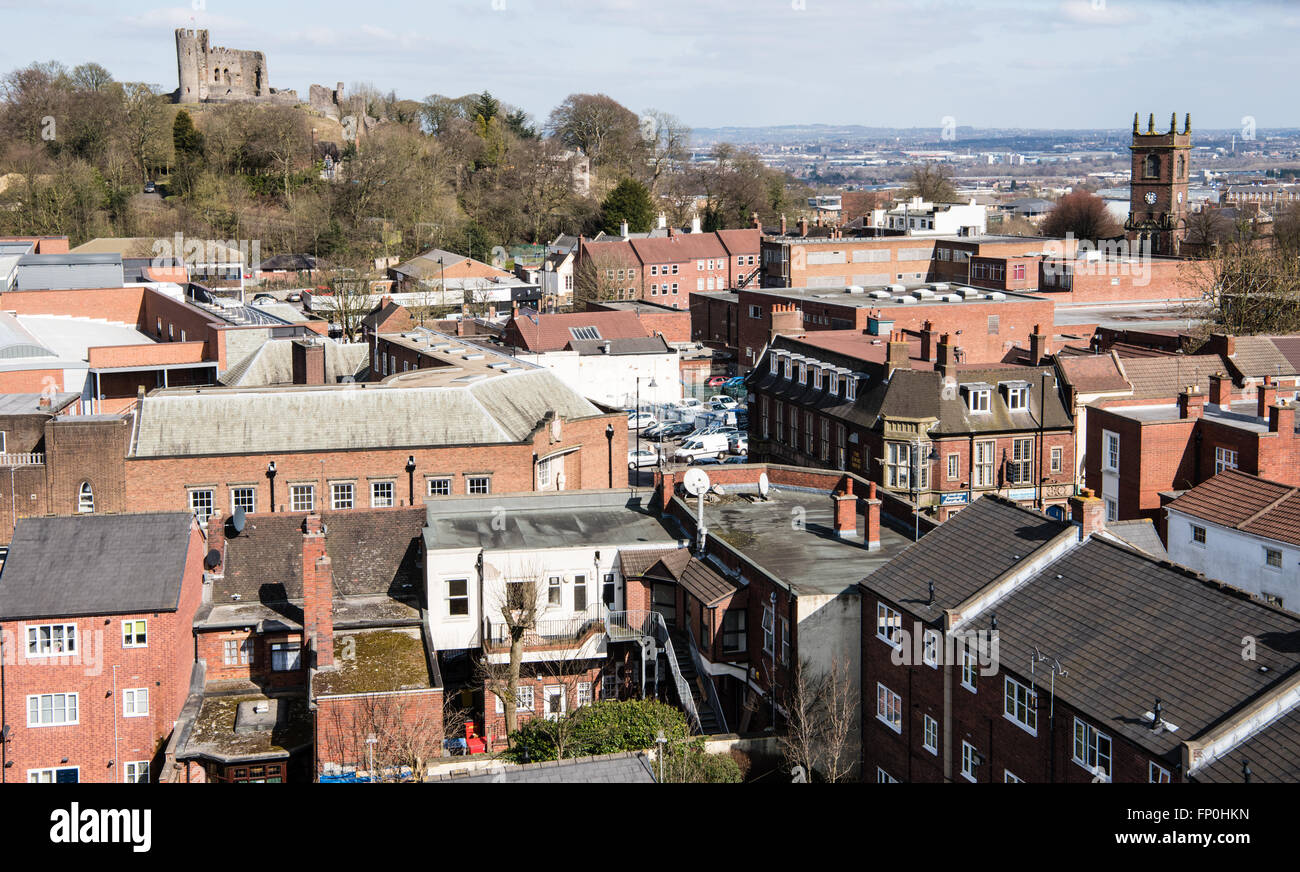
x: 821, y: 721
x: 348, y: 304
x: 147, y: 127
x: 669, y: 142
x: 1083, y: 214
x: 932, y: 182
x: 408, y: 732
x: 607, y: 131
x: 596, y: 277
x: 1246, y: 288
x: 517, y: 609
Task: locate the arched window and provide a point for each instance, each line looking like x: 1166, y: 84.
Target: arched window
x: 1151, y: 167
x: 86, y: 499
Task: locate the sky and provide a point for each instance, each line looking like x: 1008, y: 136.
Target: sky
x: 747, y: 63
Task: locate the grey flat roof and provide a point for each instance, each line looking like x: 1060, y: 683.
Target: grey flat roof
x: 95, y: 565
x: 627, y: 768
x: 547, y: 520
x: 811, y: 559
x: 840, y: 296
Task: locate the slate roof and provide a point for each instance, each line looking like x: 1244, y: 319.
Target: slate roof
x: 272, y: 364
x: 1288, y: 347
x: 546, y: 520
x: 1245, y: 502
x: 1273, y: 755
x: 1129, y: 629
x: 1140, y: 534
x: 633, y: 564
x: 499, y: 408
x: 639, y: 345
x: 1258, y: 356
x: 95, y: 565
x: 703, y: 581
x: 989, y: 537
x: 372, y: 552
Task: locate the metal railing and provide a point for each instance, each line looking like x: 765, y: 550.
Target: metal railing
x: 28, y: 459
x: 634, y: 625
x: 550, y: 633
x: 711, y: 692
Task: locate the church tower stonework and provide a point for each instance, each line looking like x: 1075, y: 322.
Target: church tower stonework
x: 1158, y: 202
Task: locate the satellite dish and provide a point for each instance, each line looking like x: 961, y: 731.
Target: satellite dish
x: 696, y: 481
x: 763, y: 485
x: 717, y: 489
x: 212, y: 559
x: 238, y: 520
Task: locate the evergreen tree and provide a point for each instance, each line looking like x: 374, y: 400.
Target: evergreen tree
x: 629, y: 201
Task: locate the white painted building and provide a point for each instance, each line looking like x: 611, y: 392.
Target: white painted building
x: 612, y: 378
x: 918, y: 217
x: 1242, y: 530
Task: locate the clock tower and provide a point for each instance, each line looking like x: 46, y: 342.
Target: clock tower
x: 1158, y: 187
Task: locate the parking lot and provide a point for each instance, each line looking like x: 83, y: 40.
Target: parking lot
x: 667, y: 447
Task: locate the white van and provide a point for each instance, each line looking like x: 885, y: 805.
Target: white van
x: 702, y: 445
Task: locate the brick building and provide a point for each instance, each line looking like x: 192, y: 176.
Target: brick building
x: 476, y: 425
x: 942, y: 432
x: 310, y: 641
x: 667, y: 269
x: 95, y: 620
x: 1158, y: 201
x: 982, y: 675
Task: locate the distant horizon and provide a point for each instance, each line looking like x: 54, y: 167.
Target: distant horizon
x: 1033, y: 65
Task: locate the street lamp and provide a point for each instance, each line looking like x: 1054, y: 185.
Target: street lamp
x: 609, y: 439
x: 636, y: 418
x: 371, y: 741
x: 270, y: 474
x: 410, y: 478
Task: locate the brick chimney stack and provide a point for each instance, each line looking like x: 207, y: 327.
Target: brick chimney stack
x: 1281, y: 418
x: 846, y: 510
x: 317, y: 593
x: 1220, y: 389
x: 217, y: 538
x: 1191, y: 403
x: 1038, y: 346
x: 1089, y: 512
x: 945, y: 359
x: 896, y: 354
x: 871, y: 538
x: 784, y: 229
x: 308, y: 363
x: 803, y: 226
x: 929, y: 341
x: 1267, y: 396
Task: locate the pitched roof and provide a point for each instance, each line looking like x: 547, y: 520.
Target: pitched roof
x: 499, y: 408
x: 633, y: 564
x: 95, y: 565
x: 742, y: 241
x: 1258, y: 356
x: 1247, y: 503
x: 1129, y: 630
x: 1141, y: 534
x: 373, y: 552
x: 553, y: 332
x: 1163, y: 378
x: 679, y: 247
x: 272, y: 363
x: 1093, y: 373
x: 1271, y: 754
x: 988, y: 538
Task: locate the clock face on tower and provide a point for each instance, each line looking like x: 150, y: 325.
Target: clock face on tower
x: 1151, y: 198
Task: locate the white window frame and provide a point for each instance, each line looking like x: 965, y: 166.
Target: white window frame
x: 968, y: 752
x: 132, y: 634
x: 67, y: 634
x: 1017, y: 398
x: 889, y: 625
x: 34, y: 775
x: 969, y: 669
x: 930, y: 735
x: 289, y: 655
x: 297, y: 493
x: 931, y: 645
x: 66, y: 722
x: 251, y: 502
x: 1110, y: 456
x: 769, y: 631
x: 450, y: 598
x: 889, y: 708
x: 135, y: 772
x: 430, y: 482
x: 343, y: 495
x: 977, y: 400
x: 1017, y: 699
x: 1157, y: 774
x: 985, y: 472
x: 135, y: 702
x: 1087, y: 743
x: 524, y: 698
x: 377, y: 500
x: 883, y: 777
x: 954, y: 466
x: 1009, y: 777
x: 86, y: 499
x: 472, y: 481
x: 583, y: 693
x: 1224, y: 458
x: 202, y: 502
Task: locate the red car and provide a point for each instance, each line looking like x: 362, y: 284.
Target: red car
x: 716, y: 381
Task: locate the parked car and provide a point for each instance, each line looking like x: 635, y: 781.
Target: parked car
x: 722, y: 401
x: 640, y: 420
x: 737, y: 458
x: 669, y: 430
x: 716, y: 382
x: 264, y: 298
x: 294, y: 297
x: 734, y: 382
x: 644, y: 457
x: 701, y: 445
x: 150, y: 188
x: 705, y: 461
x: 738, y: 443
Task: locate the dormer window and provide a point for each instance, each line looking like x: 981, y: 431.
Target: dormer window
x: 850, y: 387
x: 978, y: 397
x: 817, y: 378
x: 1017, y: 394
x: 833, y: 383
x: 788, y: 367
x: 803, y: 373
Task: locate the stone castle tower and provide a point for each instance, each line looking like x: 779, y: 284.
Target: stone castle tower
x: 217, y: 74
x: 1158, y: 188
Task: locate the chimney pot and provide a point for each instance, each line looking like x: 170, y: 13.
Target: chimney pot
x: 1266, y: 398
x: 1089, y: 512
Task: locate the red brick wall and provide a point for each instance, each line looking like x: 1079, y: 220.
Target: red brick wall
x: 1110, y: 283
x: 411, y: 719
x: 495, y: 727
x: 163, y: 667
x: 30, y: 381
x: 123, y: 305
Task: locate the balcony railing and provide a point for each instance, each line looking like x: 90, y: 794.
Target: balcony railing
x: 550, y: 633
x: 29, y: 459
x: 639, y: 624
